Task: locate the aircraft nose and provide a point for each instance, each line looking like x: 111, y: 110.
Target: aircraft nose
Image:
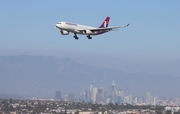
x: 56, y: 26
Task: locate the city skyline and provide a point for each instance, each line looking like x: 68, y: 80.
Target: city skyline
x: 43, y: 75
x: 100, y: 95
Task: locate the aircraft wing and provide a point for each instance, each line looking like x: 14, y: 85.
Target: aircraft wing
x: 108, y: 28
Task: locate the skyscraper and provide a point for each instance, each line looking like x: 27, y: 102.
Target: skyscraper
x: 135, y: 100
x: 86, y: 95
x: 91, y: 91
x: 58, y: 95
x: 177, y: 101
x: 125, y: 91
x: 98, y: 97
x: 155, y: 100
x: 71, y: 96
x: 94, y: 92
x: 81, y: 96
x: 101, y: 91
x: 121, y: 94
x: 113, y: 91
x: 148, y: 98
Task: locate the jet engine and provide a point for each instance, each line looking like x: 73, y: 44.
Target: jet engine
x: 87, y: 32
x: 63, y: 32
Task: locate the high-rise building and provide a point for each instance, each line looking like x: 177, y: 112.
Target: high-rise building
x: 105, y: 96
x: 113, y: 91
x: 177, y: 101
x: 140, y: 101
x: 121, y: 94
x: 102, y: 92
x: 86, y: 95
x: 128, y: 99
x: 148, y: 98
x: 155, y: 100
x: 94, y: 92
x: 58, y: 95
x: 91, y: 92
x: 71, y: 96
x: 125, y: 91
x: 65, y: 98
x: 81, y: 96
x: 116, y: 99
x: 98, y: 97
x: 135, y: 100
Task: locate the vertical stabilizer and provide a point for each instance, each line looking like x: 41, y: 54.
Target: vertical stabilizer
x: 105, y: 23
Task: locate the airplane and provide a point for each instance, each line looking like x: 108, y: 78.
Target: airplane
x: 66, y: 27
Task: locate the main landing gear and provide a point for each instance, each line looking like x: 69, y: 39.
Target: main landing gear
x: 89, y: 37
x: 75, y: 36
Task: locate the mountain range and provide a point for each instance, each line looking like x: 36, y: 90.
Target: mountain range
x: 41, y: 76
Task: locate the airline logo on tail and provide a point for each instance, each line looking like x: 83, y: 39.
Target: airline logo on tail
x: 105, y: 23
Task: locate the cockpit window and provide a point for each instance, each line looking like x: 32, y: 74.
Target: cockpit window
x: 59, y: 23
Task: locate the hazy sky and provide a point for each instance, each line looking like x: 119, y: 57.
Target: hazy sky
x: 28, y: 28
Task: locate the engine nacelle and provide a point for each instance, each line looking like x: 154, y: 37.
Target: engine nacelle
x: 88, y: 32
x: 63, y: 32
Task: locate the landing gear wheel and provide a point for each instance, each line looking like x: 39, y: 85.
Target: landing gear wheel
x: 75, y: 36
x: 89, y: 37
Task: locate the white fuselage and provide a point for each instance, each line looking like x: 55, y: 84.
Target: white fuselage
x: 76, y: 28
